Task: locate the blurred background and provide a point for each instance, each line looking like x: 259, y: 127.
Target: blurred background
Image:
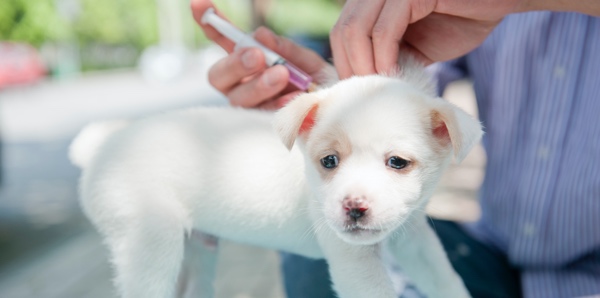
x: 65, y: 63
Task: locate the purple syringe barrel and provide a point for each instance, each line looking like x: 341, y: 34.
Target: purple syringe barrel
x: 298, y: 78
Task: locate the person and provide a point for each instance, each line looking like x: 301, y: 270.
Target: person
x: 535, y: 66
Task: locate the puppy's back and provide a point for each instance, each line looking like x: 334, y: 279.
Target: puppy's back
x: 204, y: 166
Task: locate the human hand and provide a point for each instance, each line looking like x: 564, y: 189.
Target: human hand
x: 243, y: 75
x: 369, y: 35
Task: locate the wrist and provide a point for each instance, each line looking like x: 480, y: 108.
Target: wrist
x: 536, y: 5
x: 590, y: 7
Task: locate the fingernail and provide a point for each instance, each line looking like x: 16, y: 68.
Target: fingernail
x: 272, y: 77
x: 249, y: 58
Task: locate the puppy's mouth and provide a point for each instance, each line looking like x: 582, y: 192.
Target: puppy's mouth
x: 361, y: 235
x: 358, y: 229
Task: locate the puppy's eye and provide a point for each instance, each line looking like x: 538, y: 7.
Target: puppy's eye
x: 329, y: 161
x: 397, y: 163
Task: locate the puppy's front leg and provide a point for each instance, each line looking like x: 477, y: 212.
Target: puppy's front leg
x: 422, y: 257
x: 199, y: 266
x: 356, y: 270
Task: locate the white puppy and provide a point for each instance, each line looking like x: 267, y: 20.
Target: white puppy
x: 370, y: 152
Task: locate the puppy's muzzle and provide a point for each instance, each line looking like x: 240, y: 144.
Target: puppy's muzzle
x: 355, y: 206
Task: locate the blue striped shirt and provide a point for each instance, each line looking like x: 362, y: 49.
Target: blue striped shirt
x: 537, y: 83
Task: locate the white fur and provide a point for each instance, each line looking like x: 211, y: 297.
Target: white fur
x: 224, y: 171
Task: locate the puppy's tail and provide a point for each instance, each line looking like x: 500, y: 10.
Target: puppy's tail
x: 84, y: 147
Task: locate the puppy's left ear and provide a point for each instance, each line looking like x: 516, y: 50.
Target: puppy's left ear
x: 452, y: 126
x: 296, y: 119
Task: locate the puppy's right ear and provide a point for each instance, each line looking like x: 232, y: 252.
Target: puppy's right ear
x: 453, y: 126
x: 296, y: 119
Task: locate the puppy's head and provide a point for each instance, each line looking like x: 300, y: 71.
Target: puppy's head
x: 375, y: 147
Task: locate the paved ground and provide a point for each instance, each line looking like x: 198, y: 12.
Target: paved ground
x: 47, y: 248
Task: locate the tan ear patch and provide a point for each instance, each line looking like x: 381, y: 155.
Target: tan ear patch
x: 334, y: 141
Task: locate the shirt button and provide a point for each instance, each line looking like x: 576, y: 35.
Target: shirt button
x: 543, y: 152
x: 559, y: 72
x: 463, y: 250
x: 528, y: 230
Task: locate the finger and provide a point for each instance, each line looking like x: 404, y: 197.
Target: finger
x: 387, y: 34
x: 198, y: 8
x: 231, y: 70
x: 406, y: 47
x: 441, y: 37
x: 280, y: 102
x: 339, y: 59
x: 260, y: 88
x: 336, y: 39
x: 305, y: 59
x: 357, y: 33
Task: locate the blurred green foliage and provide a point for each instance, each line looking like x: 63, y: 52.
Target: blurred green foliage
x: 31, y: 21
x: 309, y: 17
x: 131, y: 22
x: 134, y: 22
x: 93, y: 25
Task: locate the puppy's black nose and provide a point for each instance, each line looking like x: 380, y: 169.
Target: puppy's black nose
x: 357, y: 213
x: 355, y: 206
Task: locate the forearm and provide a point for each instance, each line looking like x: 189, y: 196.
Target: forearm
x: 589, y: 7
